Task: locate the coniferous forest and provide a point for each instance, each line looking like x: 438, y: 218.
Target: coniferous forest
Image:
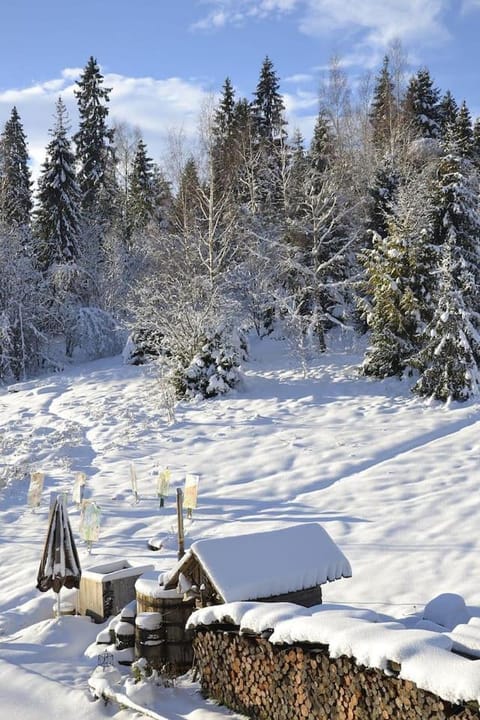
x: 373, y: 227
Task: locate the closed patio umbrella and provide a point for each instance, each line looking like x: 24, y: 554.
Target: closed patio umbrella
x: 60, y: 565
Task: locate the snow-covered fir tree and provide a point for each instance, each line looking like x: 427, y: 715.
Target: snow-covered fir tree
x: 248, y: 157
x: 57, y: 216
x: 24, y: 309
x: 398, y: 271
x: 382, y: 194
x: 142, y: 191
x: 186, y: 206
x: 295, y: 177
x: 15, y: 176
x: 461, y: 132
x: 449, y: 357
x: 422, y: 105
x: 383, y: 109
x: 269, y: 138
x: 94, y: 139
x: 447, y: 112
x: 320, y: 151
x: 455, y: 296
x: 268, y: 105
x: 476, y: 143
x: 223, y: 142
x: 224, y: 119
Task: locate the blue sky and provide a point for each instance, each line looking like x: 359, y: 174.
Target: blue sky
x: 162, y: 58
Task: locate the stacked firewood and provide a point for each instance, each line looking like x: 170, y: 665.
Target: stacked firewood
x: 267, y: 682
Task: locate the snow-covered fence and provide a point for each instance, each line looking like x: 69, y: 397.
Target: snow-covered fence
x: 330, y: 665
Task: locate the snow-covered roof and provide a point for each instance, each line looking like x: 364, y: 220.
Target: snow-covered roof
x: 266, y: 564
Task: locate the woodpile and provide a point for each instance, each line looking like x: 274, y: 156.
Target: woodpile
x: 267, y: 682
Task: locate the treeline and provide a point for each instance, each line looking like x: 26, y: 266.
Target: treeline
x: 374, y: 227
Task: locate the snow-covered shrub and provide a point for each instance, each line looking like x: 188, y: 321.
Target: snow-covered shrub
x: 142, y: 346
x: 213, y: 370
x: 6, y: 348
x: 93, y: 334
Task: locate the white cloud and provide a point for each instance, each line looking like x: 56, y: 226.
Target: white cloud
x: 296, y: 103
x: 380, y: 21
x: 372, y: 24
x: 237, y: 12
x: 299, y: 78
x: 153, y: 105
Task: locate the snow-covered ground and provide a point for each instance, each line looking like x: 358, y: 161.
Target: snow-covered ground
x: 393, y: 479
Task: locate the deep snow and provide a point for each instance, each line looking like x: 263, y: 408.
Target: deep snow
x: 393, y: 480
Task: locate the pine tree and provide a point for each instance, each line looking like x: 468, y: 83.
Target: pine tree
x: 248, y: 156
x: 449, y: 358
x: 15, y: 181
x: 57, y: 218
x: 269, y: 123
x: 398, y: 271
x: 422, y: 105
x: 453, y: 335
x: 295, y: 180
x: 25, y: 308
x: 268, y: 106
x: 320, y: 152
x: 93, y: 140
x: 476, y: 141
x: 461, y: 132
x: 141, y: 201
x: 186, y: 207
x: 225, y: 113
x: 382, y: 194
x: 383, y: 110
x: 223, y: 150
x: 447, y: 112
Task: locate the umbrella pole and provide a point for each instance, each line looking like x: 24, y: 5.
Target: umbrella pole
x: 58, y: 604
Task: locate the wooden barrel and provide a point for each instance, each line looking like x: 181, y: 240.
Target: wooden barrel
x: 125, y: 635
x: 174, y: 653
x: 150, y: 638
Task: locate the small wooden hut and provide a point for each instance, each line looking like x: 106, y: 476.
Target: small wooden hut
x: 287, y: 565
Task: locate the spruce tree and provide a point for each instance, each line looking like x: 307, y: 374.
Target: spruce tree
x: 422, y: 105
x: 398, y: 270
x: 247, y: 157
x: 295, y: 182
x: 25, y: 308
x: 268, y: 112
x: 461, y: 132
x: 452, y: 336
x: 15, y: 180
x: 476, y: 143
x: 381, y: 197
x: 223, y: 150
x: 320, y: 152
x: 224, y: 118
x: 141, y: 192
x: 186, y: 206
x: 57, y: 218
x: 383, y: 110
x: 449, y: 357
x: 268, y: 106
x: 447, y: 112
x: 476, y: 140
x: 93, y: 140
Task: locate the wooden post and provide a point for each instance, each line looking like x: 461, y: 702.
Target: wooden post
x: 181, y: 536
